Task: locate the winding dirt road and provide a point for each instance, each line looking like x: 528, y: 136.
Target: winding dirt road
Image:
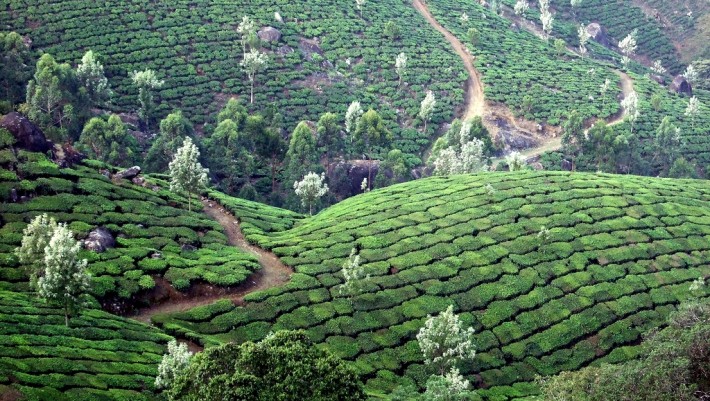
x: 272, y: 273
x: 475, y: 103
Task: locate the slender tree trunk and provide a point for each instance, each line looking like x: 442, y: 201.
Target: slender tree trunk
x: 189, y: 201
x: 66, y: 315
x: 273, y: 174
x: 252, y: 91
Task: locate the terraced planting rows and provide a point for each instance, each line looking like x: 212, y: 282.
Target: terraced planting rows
x: 155, y: 234
x: 621, y: 254
x: 100, y: 357
x: 195, y: 47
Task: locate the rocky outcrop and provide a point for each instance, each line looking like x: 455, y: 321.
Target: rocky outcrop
x: 28, y: 135
x: 509, y: 137
x: 309, y: 47
x: 658, y: 78
x: 284, y: 50
x: 66, y: 155
x: 99, y: 240
x: 269, y: 34
x: 681, y: 85
x: 129, y: 173
x: 598, y: 34
x: 346, y: 176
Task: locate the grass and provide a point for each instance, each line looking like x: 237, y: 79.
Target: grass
x: 622, y: 253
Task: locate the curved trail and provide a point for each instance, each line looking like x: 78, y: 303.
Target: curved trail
x: 272, y: 273
x: 475, y: 103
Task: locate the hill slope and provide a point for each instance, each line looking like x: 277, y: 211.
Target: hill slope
x: 622, y: 252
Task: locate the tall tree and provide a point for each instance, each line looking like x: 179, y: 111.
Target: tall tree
x: 272, y: 148
x: 147, y: 82
x: 426, y: 108
x: 108, y: 141
x: 444, y: 341
x: 227, y: 159
x: 630, y: 104
x: 667, y: 144
x: 353, y: 275
x: 692, y: 110
x: 311, y: 188
x: 573, y: 137
x: 15, y: 59
x: 371, y: 132
x: 628, y: 48
x: 186, y: 173
x: 235, y: 111
x: 302, y: 154
x: 546, y: 18
x: 173, y: 129
x: 285, y: 366
x: 330, y: 138
x: 65, y: 279
x: 93, y: 79
x: 400, y: 65
x: 35, y: 239
x: 392, y: 170
x: 521, y: 7
x: 584, y: 37
x: 360, y: 4
x: 253, y: 63
x: 49, y: 103
x: 352, y: 117
x: 246, y: 29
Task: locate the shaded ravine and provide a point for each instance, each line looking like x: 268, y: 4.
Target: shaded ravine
x: 272, y: 273
x: 475, y: 103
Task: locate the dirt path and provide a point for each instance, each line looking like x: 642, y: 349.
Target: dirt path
x: 272, y: 273
x: 475, y: 103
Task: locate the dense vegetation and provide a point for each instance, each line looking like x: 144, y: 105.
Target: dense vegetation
x: 100, y: 357
x: 619, y: 255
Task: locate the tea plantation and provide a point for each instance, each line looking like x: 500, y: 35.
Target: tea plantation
x: 155, y: 234
x: 621, y: 253
x: 194, y: 46
x: 100, y: 357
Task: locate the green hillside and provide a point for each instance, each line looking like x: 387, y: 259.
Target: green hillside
x: 156, y: 236
x: 621, y: 254
x: 100, y: 357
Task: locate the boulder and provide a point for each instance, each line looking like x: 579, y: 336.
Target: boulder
x: 284, y: 50
x: 598, y: 34
x: 99, y: 240
x: 509, y: 137
x: 681, y: 85
x: 269, y: 34
x: 66, y: 156
x: 309, y: 47
x: 346, y: 176
x: 129, y: 173
x: 566, y: 165
x: 658, y: 78
x: 28, y: 135
x: 188, y: 247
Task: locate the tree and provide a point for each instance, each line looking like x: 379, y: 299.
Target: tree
x: 48, y: 103
x: 473, y: 35
x: 470, y: 159
x: 400, y: 65
x: 464, y: 18
x: 573, y: 137
x: 667, y: 144
x: 285, y: 366
x: 108, y: 141
x: 330, y: 138
x: 584, y: 37
x: 227, y: 159
x: 658, y: 67
x: 360, y: 4
x: 560, y: 47
x: 630, y: 104
x: 147, y: 82
x: 521, y: 7
x: 692, y: 110
x: 656, y: 101
x: 447, y: 387
x: 353, y: 274
x: 246, y: 29
x: 371, y: 132
x: 310, y: 189
x: 35, y: 239
x: 64, y: 280
x: 393, y: 169
x: 628, y: 48
x: 546, y: 18
x: 173, y: 364
x: 235, y: 111
x: 691, y: 74
x: 392, y: 30
x: 253, y: 63
x: 91, y: 76
x: 15, y: 58
x: 186, y: 173
x: 426, y: 109
x: 302, y: 154
x: 352, y: 117
x: 603, y: 89
x: 516, y: 162
x: 682, y: 168
x: 444, y: 341
x: 272, y: 147
x: 173, y: 129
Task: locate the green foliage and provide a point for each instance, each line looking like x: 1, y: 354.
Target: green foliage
x: 108, y: 141
x: 173, y: 131
x: 285, y: 365
x: 15, y: 58
x: 302, y: 155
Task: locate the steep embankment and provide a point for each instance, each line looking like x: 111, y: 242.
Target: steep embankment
x: 620, y: 253
x: 272, y: 273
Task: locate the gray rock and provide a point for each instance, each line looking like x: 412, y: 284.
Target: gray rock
x: 599, y: 34
x: 99, y: 240
x: 284, y: 50
x: 681, y: 85
x: 156, y: 255
x: 28, y: 135
x: 566, y: 165
x: 658, y: 78
x: 309, y: 47
x: 129, y: 173
x: 13, y: 195
x: 269, y: 34
x: 188, y: 247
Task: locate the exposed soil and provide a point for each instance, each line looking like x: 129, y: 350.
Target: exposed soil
x: 272, y: 273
